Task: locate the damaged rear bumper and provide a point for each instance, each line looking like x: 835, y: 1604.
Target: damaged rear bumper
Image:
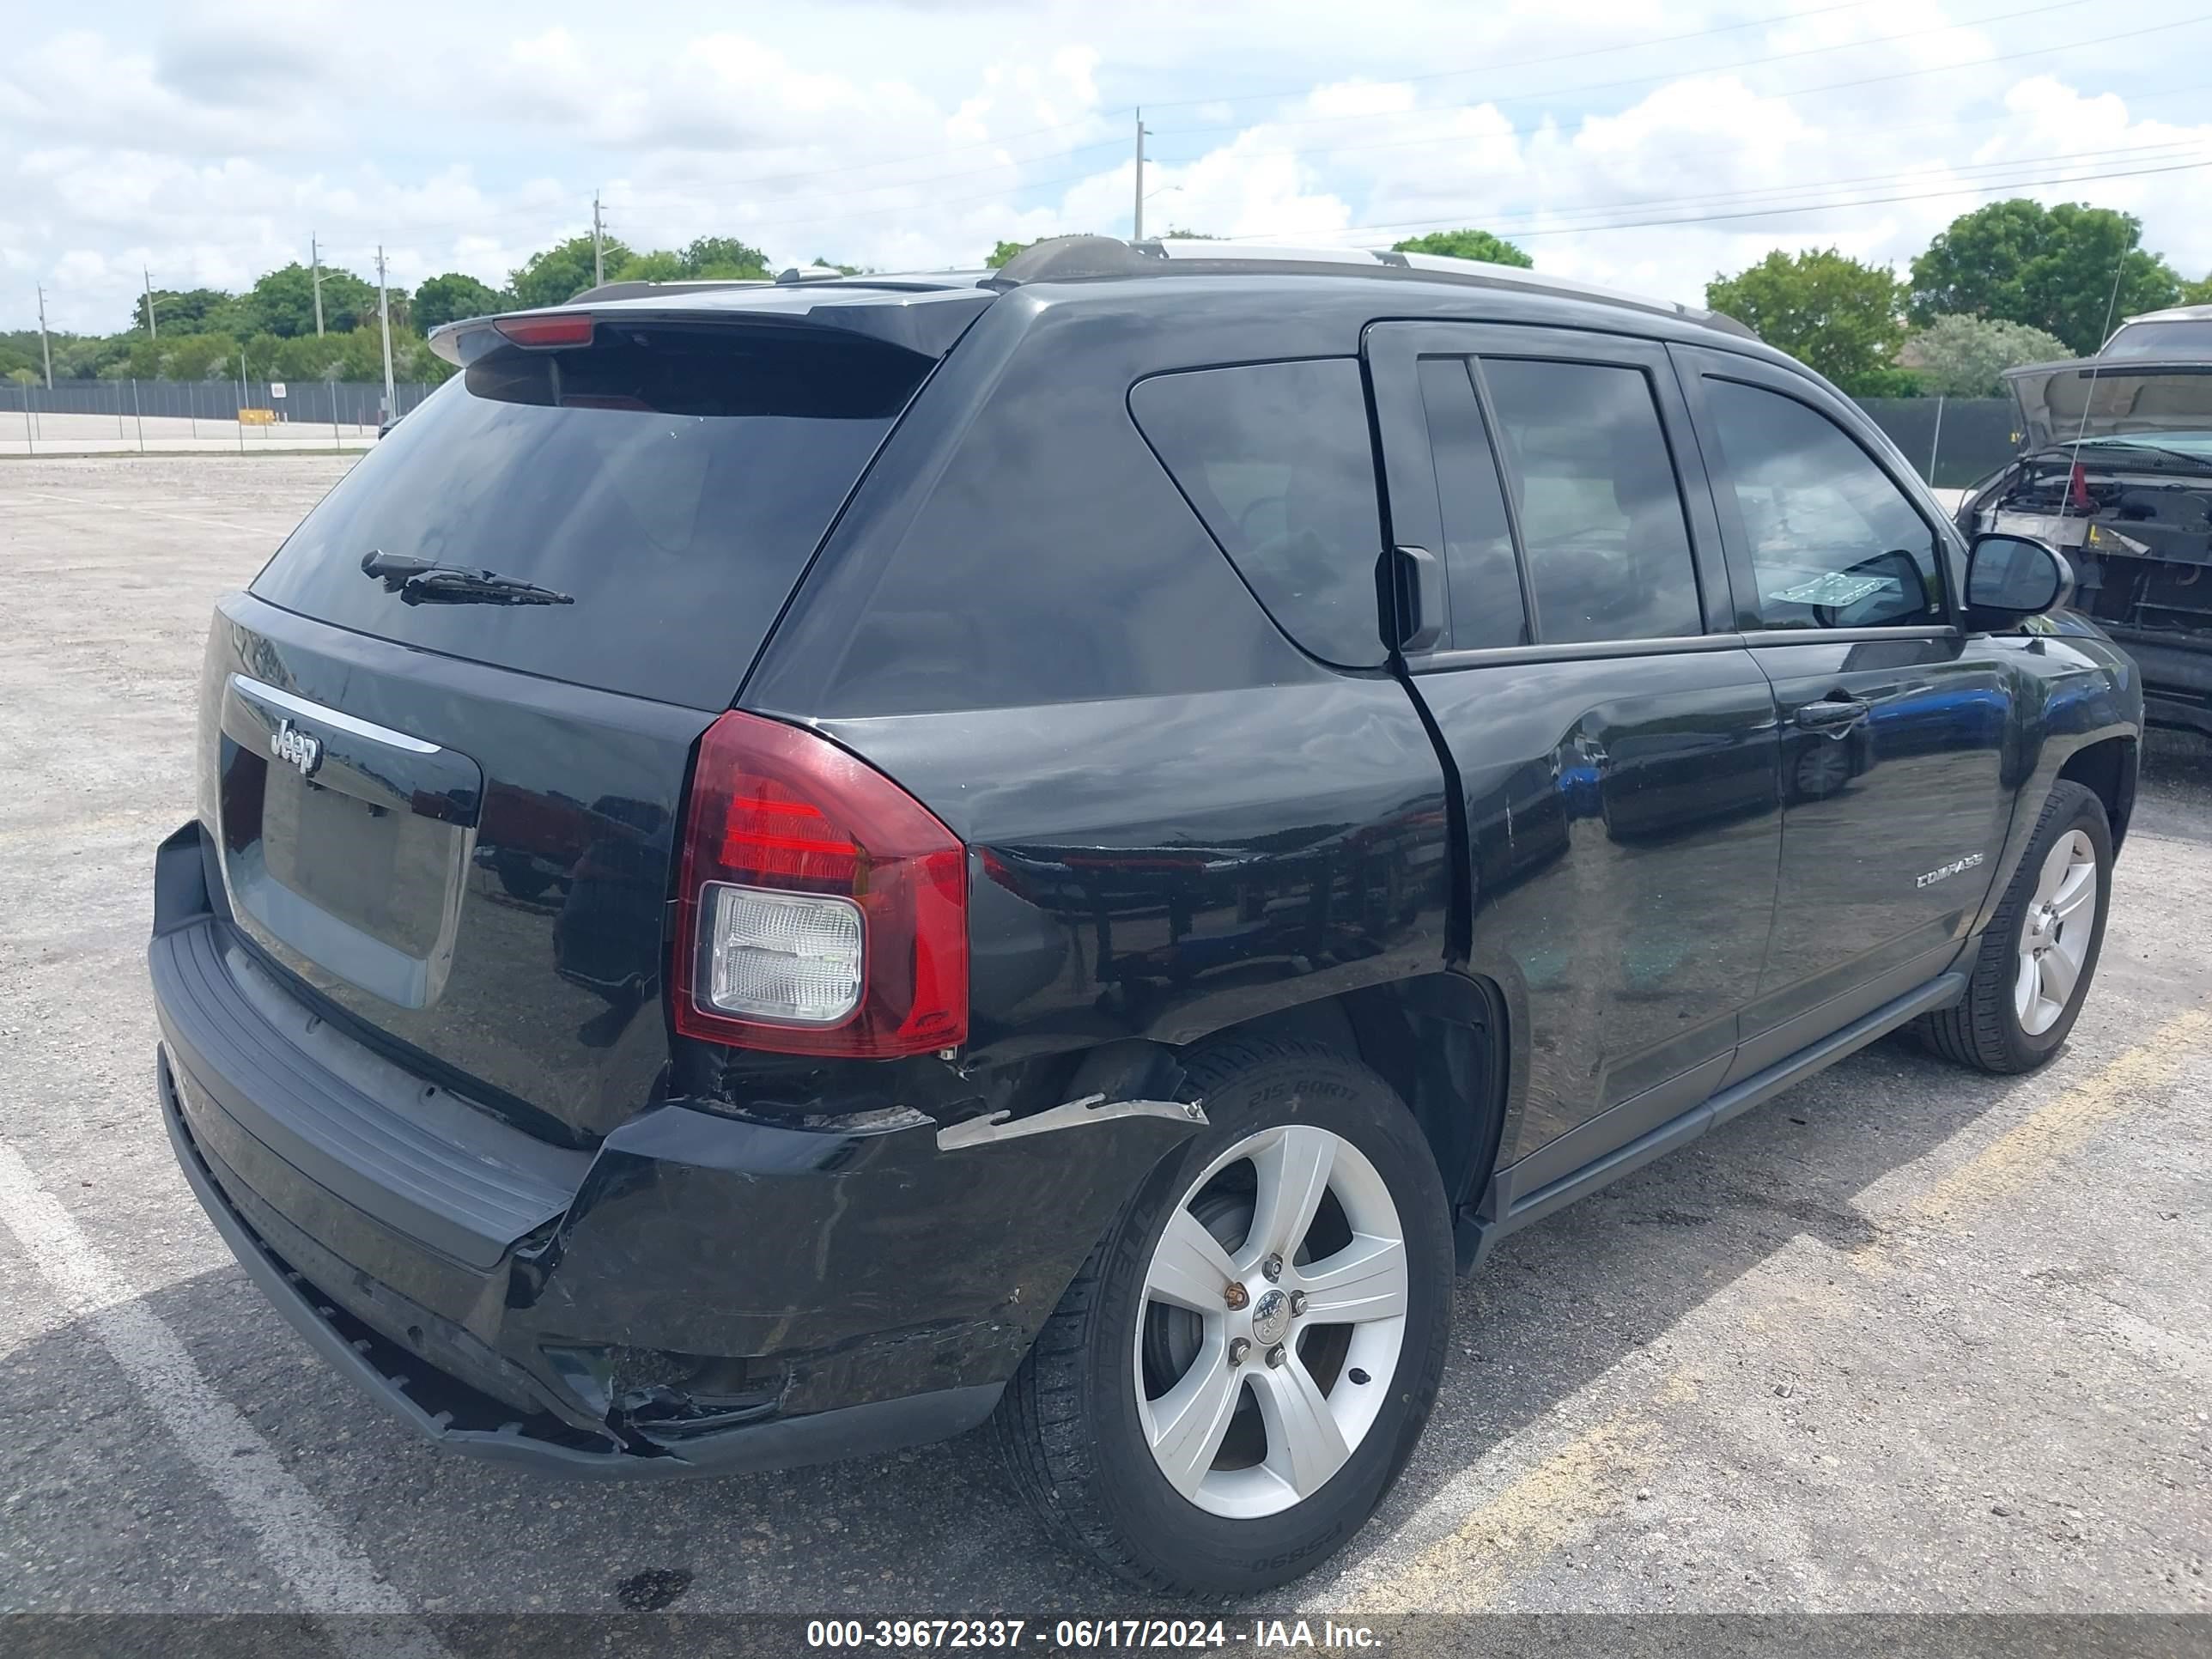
x: 700, y: 1293
x: 442, y: 1407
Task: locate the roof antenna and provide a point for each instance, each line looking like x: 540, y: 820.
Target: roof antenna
x: 2097, y: 362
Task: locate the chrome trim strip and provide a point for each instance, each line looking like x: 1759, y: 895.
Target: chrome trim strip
x: 255, y: 691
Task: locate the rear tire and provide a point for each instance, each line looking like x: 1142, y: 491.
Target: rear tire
x: 2040, y: 951
x: 1137, y: 1430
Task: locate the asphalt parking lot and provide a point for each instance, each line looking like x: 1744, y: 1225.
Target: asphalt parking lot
x: 1906, y: 1340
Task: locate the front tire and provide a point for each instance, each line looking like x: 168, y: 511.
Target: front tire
x: 2040, y: 951
x: 1242, y: 1367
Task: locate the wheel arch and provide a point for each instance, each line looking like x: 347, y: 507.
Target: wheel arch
x: 1442, y: 1042
x: 2106, y: 769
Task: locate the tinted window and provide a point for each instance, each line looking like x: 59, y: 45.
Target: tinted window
x: 1276, y: 458
x: 675, y: 481
x: 1486, y: 580
x: 1833, y: 542
x: 1601, y: 521
x: 2186, y: 337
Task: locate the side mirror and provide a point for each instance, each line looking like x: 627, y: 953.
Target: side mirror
x: 2012, y: 578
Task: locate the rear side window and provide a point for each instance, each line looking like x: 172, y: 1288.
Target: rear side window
x: 673, y: 480
x: 1833, y: 542
x: 1485, y: 578
x: 1601, y: 520
x: 1276, y: 458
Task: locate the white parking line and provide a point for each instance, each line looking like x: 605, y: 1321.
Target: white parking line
x: 292, y: 1530
x: 148, y: 512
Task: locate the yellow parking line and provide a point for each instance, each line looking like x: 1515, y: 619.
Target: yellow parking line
x: 1551, y: 1505
x: 2025, y: 1150
x: 1564, y: 1497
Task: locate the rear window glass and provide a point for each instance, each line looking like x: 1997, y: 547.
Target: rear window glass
x: 1276, y: 458
x: 674, y: 480
x: 2186, y: 337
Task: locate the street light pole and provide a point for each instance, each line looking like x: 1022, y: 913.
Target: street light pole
x: 46, y: 346
x: 315, y: 270
x: 1136, y: 220
x: 384, y: 315
x: 152, y: 332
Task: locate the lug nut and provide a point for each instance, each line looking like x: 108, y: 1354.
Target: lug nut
x: 1238, y: 1348
x: 1235, y: 1296
x: 1276, y: 1356
x: 1272, y: 1267
x: 1297, y: 1302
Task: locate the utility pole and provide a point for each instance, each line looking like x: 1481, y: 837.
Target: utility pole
x: 152, y: 332
x: 1136, y: 220
x: 315, y: 267
x: 384, y: 313
x: 46, y: 346
x: 599, y: 245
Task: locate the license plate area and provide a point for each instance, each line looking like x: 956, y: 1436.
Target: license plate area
x: 344, y: 845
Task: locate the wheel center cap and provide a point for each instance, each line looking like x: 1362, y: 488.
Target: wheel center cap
x: 1271, y: 1317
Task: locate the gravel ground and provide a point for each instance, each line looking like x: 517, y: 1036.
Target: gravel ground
x: 1906, y: 1339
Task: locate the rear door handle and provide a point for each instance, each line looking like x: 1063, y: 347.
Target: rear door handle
x: 1827, y: 715
x: 1413, y: 598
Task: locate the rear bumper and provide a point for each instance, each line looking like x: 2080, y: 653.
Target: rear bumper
x: 425, y: 1399
x: 700, y: 1293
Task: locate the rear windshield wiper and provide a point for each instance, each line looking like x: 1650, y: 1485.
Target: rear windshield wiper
x: 423, y: 581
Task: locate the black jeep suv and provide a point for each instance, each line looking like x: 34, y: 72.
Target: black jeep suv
x: 789, y: 869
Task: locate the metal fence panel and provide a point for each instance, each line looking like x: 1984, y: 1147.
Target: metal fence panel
x: 1951, y: 441
x: 347, y: 403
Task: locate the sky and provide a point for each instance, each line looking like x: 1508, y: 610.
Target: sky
x: 1624, y: 144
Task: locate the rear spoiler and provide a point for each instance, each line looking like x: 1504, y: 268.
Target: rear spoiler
x: 925, y: 320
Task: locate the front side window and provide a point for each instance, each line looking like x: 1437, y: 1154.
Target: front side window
x: 1601, y: 520
x: 1833, y: 542
x: 1277, y: 460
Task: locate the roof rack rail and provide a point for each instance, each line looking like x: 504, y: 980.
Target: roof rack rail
x: 1081, y: 259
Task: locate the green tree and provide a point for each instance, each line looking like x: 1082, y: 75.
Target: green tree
x: 2050, y: 268
x: 723, y: 257
x: 1005, y: 251
x: 1832, y: 313
x: 1465, y: 244
x: 658, y: 266
x: 832, y: 264
x: 282, y: 302
x: 448, y: 299
x: 1962, y: 356
x: 2197, y: 293
x: 556, y: 275
x: 190, y: 311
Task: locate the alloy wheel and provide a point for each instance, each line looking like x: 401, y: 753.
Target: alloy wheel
x: 2060, y: 920
x: 1274, y: 1317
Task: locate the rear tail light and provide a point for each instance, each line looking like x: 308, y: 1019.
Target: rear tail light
x: 821, y: 910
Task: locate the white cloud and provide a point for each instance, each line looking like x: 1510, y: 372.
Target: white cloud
x: 208, y: 143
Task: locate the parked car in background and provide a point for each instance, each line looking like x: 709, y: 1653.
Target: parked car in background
x: 2115, y: 470
x: 791, y: 870
x: 2179, y: 332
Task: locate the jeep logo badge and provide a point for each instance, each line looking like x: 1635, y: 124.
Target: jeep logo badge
x: 288, y: 743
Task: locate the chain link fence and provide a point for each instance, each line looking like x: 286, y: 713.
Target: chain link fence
x: 103, y: 417
x: 1951, y: 441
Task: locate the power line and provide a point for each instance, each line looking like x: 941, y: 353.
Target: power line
x: 720, y: 194
x: 1548, y: 57
x: 1754, y: 213
x: 1551, y: 93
